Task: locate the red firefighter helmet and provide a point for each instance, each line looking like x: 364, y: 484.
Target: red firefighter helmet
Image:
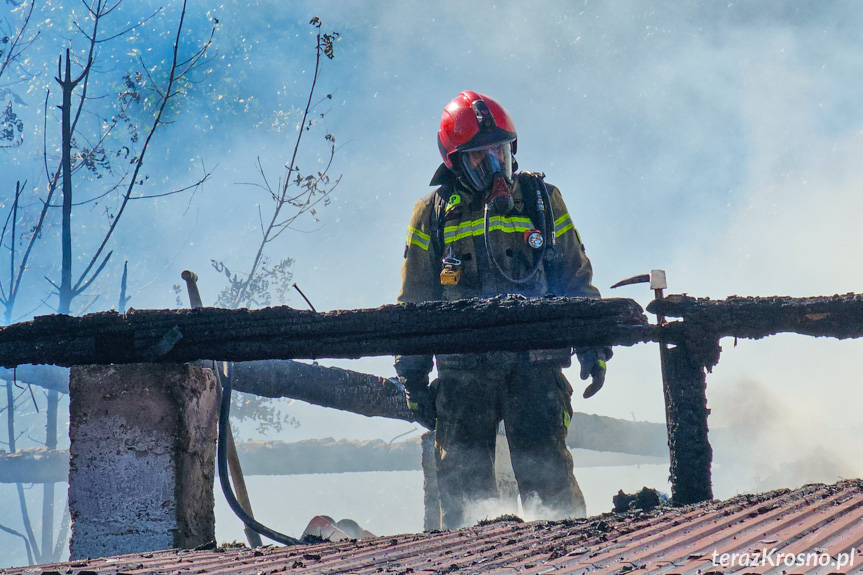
x: 473, y: 121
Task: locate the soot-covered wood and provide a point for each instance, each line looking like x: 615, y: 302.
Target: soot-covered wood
x: 685, y: 390
x: 504, y: 323
x: 839, y: 316
x: 362, y: 393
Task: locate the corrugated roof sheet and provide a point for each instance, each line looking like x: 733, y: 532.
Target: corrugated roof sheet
x: 819, y: 527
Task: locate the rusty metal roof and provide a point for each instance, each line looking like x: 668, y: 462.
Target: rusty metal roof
x: 815, y: 526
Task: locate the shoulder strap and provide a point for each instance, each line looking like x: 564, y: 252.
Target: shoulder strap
x: 543, y: 219
x: 531, y: 183
x: 445, y: 179
x: 436, y: 224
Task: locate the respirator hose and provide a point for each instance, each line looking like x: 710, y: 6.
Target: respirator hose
x: 547, y: 214
x: 506, y: 276
x: 222, y: 458
x: 543, y: 206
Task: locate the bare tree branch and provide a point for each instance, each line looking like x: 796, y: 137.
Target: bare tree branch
x: 173, y: 77
x: 194, y: 186
x: 18, y: 44
x: 80, y: 290
x: 118, y: 34
x: 239, y: 292
x: 22, y: 500
x: 26, y: 542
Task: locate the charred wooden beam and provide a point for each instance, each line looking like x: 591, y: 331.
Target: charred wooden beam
x: 328, y: 456
x: 688, y: 350
x: 49, y: 377
x: 258, y: 457
x: 372, y: 395
x: 839, y: 316
x: 276, y: 378
x: 602, y: 433
x: 474, y: 325
x: 478, y: 325
x: 361, y: 393
x: 34, y: 466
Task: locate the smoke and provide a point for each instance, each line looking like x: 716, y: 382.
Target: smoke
x: 762, y: 441
x: 718, y: 141
x: 530, y: 510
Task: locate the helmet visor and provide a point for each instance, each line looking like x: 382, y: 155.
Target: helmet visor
x: 482, y: 165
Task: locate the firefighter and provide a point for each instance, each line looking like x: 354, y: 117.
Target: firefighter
x: 485, y: 231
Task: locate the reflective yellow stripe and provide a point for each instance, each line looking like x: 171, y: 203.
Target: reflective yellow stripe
x: 510, y: 225
x: 417, y: 232
x: 463, y: 230
x: 563, y: 224
x: 418, y: 238
x: 476, y: 227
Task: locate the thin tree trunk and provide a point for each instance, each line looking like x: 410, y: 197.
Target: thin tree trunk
x: 48, y: 488
x: 68, y: 85
x: 22, y: 500
x: 66, y: 291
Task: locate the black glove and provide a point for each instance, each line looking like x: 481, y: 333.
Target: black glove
x: 592, y: 362
x: 420, y: 400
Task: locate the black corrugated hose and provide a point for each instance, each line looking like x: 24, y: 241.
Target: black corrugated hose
x: 222, y: 458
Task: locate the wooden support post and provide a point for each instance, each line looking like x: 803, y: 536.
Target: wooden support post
x: 684, y: 387
x: 507, y: 487
x: 431, y: 495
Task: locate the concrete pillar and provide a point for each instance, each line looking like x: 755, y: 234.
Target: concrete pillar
x: 143, y: 446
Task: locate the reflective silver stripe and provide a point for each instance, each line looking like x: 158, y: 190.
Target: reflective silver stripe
x: 563, y: 224
x: 476, y: 227
x: 510, y: 225
x: 463, y: 230
x: 418, y: 238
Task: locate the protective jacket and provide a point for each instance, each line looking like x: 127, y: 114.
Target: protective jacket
x: 568, y: 273
x: 459, y: 231
x: 474, y: 392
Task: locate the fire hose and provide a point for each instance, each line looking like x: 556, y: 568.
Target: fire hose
x: 226, y: 444
x: 222, y: 458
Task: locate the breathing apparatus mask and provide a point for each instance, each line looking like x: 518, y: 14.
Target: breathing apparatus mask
x: 488, y: 169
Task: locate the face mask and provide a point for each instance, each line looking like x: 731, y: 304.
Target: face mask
x: 500, y: 200
x: 489, y: 170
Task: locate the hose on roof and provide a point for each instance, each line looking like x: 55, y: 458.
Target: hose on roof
x: 222, y: 457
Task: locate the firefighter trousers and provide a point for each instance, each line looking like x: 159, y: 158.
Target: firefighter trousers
x: 533, y: 401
